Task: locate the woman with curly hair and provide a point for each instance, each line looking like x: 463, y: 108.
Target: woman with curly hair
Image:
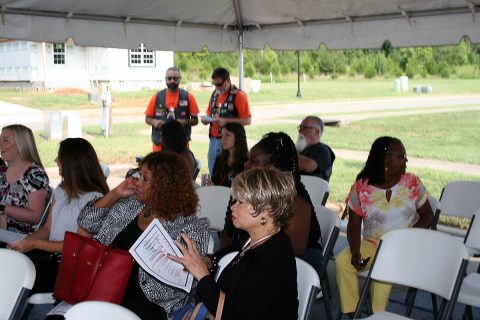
x: 233, y: 157
x: 164, y: 191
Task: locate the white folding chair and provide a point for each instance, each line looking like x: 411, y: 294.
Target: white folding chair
x: 317, y: 188
x: 213, y: 202
x: 196, y: 170
x: 99, y: 310
x: 410, y: 257
x: 308, y: 284
x: 44, y: 216
x: 330, y: 227
x: 17, y: 275
x: 460, y: 199
x: 470, y: 290
x: 226, y: 259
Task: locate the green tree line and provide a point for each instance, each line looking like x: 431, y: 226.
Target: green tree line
x: 462, y: 60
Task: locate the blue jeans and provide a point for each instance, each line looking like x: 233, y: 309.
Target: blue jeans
x: 214, y: 149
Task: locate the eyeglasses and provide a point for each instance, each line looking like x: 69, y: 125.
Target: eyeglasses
x: 219, y: 84
x: 402, y: 156
x: 172, y: 78
x: 302, y: 127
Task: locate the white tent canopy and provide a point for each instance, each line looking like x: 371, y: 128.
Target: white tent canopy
x: 227, y: 25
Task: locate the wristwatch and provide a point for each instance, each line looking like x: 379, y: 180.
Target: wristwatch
x: 2, y: 209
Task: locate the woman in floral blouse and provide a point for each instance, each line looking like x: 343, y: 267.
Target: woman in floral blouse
x: 23, y: 182
x: 384, y: 197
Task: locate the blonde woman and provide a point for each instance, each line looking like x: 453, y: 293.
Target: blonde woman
x: 23, y: 180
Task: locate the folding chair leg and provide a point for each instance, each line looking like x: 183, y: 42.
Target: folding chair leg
x: 410, y: 300
x: 326, y: 299
x: 327, y: 287
x: 468, y: 313
x: 434, y: 306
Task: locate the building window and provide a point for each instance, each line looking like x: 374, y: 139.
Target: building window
x: 141, y: 57
x: 58, y: 53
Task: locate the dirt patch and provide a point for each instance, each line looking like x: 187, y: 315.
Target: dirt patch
x: 69, y: 91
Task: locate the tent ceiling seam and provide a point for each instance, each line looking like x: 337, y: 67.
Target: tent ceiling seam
x: 469, y: 8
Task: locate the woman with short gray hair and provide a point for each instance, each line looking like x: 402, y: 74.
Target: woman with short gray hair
x: 261, y: 281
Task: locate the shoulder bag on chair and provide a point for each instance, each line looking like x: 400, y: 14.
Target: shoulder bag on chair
x: 90, y: 270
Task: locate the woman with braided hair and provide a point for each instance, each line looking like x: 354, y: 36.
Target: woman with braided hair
x: 278, y: 150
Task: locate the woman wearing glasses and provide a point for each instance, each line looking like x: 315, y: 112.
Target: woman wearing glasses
x: 384, y: 197
x: 276, y: 149
x: 260, y: 282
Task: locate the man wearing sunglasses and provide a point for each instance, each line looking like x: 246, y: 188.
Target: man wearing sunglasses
x: 183, y: 103
x: 314, y: 157
x: 227, y: 104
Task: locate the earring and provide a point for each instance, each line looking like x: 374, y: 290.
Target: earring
x: 263, y: 221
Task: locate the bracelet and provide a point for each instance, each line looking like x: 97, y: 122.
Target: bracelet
x: 2, y: 209
x: 214, y: 260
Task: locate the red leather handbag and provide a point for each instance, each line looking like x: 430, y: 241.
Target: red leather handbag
x: 90, y: 270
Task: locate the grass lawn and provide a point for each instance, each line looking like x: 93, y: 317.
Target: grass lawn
x: 130, y: 139
x: 284, y: 92
x: 443, y: 136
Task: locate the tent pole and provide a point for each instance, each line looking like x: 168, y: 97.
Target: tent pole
x: 299, y: 93
x: 240, y: 59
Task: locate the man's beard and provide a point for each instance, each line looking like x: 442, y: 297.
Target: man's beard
x: 301, y: 143
x: 172, y: 86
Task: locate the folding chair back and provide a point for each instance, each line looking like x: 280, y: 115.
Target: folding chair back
x: 46, y: 211
x: 308, y: 284
x: 472, y: 239
x: 17, y: 277
x: 99, y: 310
x: 317, y: 188
x: 460, y: 198
x: 410, y: 257
x: 330, y: 227
x: 226, y: 259
x: 213, y: 202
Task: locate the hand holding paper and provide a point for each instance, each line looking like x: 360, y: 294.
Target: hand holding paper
x: 151, y: 251
x: 192, y: 260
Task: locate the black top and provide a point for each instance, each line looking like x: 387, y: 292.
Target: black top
x: 135, y: 298
x: 260, y: 285
x: 239, y: 236
x: 323, y: 156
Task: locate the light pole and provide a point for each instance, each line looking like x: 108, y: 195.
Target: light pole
x: 299, y: 93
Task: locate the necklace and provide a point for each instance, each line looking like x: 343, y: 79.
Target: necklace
x: 247, y: 246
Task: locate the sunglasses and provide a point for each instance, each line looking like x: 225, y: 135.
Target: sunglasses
x: 219, y: 84
x: 172, y: 78
x: 302, y: 127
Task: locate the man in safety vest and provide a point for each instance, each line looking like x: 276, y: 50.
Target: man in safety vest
x: 172, y: 103
x: 227, y: 104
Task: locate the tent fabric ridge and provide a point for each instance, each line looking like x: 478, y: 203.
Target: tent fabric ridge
x: 344, y: 18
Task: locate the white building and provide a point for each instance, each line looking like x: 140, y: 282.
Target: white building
x: 46, y: 65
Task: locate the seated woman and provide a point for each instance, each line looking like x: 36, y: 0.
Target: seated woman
x: 231, y: 161
x: 384, y: 198
x: 278, y: 150
x: 261, y: 281
x: 23, y: 182
x: 82, y: 182
x: 165, y: 192
x: 175, y: 140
